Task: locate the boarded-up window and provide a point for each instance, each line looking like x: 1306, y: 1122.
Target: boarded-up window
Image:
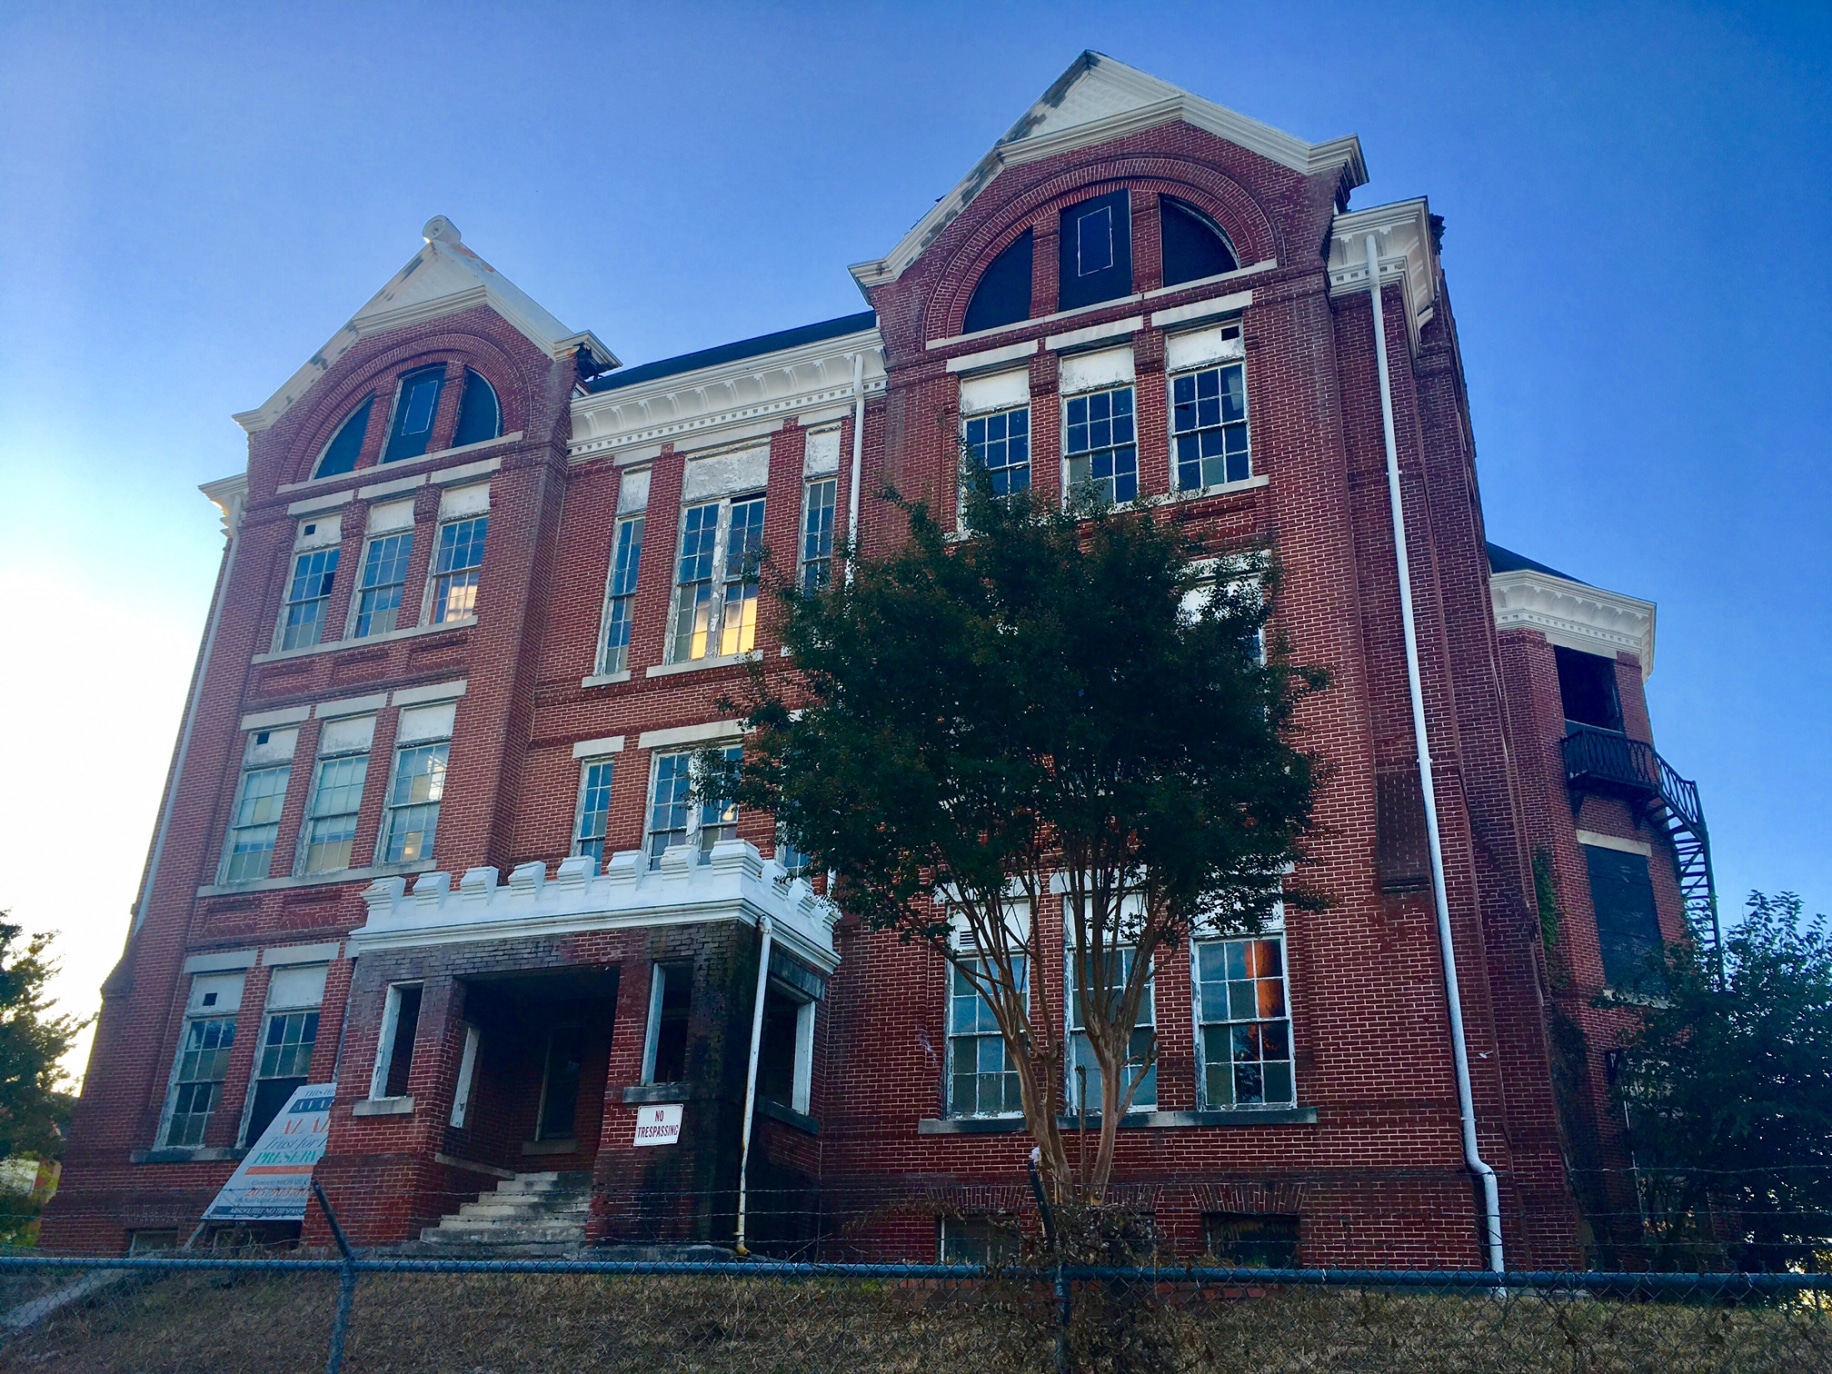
x: 1402, y: 857
x: 1628, y: 930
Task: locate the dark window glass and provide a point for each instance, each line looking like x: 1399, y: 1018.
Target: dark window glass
x: 400, y: 1056
x: 1193, y: 246
x: 378, y: 598
x: 1628, y: 930
x: 1251, y: 1240
x: 415, y: 407
x: 346, y: 446
x: 1103, y: 460
x: 1209, y: 427
x: 1096, y: 251
x: 1003, y: 295
x: 978, y: 1240
x: 560, y: 1086
x: 1587, y: 686
x: 671, y: 1025
x: 479, y: 416
x: 1000, y: 444
x: 776, y: 1051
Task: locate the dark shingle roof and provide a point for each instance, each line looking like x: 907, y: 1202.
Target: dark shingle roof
x: 743, y: 348
x: 1506, y: 560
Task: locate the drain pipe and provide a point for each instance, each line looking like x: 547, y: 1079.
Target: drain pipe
x: 750, y: 1082
x: 858, y: 454
x: 1472, y: 1154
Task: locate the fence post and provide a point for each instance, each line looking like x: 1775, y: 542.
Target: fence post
x: 1064, y: 1306
x: 346, y: 1286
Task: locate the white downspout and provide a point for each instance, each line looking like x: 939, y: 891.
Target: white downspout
x: 750, y: 1081
x: 858, y: 454
x: 1472, y: 1154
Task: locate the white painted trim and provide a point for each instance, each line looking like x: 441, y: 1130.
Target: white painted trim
x: 1575, y: 616
x: 399, y: 484
x: 694, y: 665
x: 597, y: 748
x: 267, y: 720
x: 992, y: 357
x: 322, y: 953
x: 467, y: 1072
x: 464, y: 471
x: 1264, y: 265
x: 419, y: 460
x: 1112, y: 329
x: 605, y: 679
x: 658, y: 978
x: 350, y: 706
x: 332, y: 645
x: 221, y: 961
x: 1203, y: 310
x: 690, y: 734
x: 318, y: 503
x: 435, y: 691
x: 1404, y: 251
x: 1615, y: 842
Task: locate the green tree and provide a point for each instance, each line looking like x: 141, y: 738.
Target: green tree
x: 1076, y: 699
x: 34, y: 1107
x: 1728, y: 1090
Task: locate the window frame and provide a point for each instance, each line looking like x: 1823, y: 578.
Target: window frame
x: 586, y: 787
x: 953, y: 1037
x: 385, y: 1045
x: 395, y: 448
x: 356, y: 630
x: 697, y: 817
x: 801, y: 1074
x: 392, y: 810
x: 225, y: 876
x: 439, y: 581
x: 972, y: 460
x: 205, y: 1014
x: 660, y: 972
x: 1076, y: 1037
x: 620, y: 583
x: 822, y: 541
x: 720, y: 580
x: 271, y: 1010
x: 324, y: 579
x: 1113, y: 450
x: 1200, y: 1023
x: 1222, y: 426
x: 308, y: 821
x: 467, y: 1077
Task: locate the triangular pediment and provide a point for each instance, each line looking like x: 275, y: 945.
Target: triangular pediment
x: 1098, y: 99
x: 443, y: 278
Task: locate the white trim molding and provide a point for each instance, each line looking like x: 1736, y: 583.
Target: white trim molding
x: 690, y: 734
x: 598, y: 748
x: 734, y: 883
x: 229, y: 495
x: 1406, y: 251
x: 433, y: 691
x: 1615, y: 842
x: 1575, y: 616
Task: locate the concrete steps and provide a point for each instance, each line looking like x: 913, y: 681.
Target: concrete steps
x: 541, y: 1213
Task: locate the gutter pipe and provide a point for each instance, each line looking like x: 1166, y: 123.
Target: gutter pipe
x: 858, y: 454
x: 750, y: 1083
x: 1472, y: 1154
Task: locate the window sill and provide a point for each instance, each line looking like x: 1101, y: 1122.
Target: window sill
x: 605, y: 679
x: 801, y: 1121
x: 343, y: 875
x: 382, y: 1106
x: 658, y: 1092
x: 186, y: 1155
x: 567, y: 1146
x: 330, y: 646
x: 1132, y: 1121
x: 369, y: 474
x: 1259, y: 479
x: 696, y: 664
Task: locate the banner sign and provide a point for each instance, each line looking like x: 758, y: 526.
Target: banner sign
x: 659, y: 1125
x: 274, y: 1178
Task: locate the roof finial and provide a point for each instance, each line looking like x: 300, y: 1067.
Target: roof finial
x: 439, y: 229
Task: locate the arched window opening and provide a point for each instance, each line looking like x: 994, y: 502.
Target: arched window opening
x: 1003, y: 295
x: 1096, y: 251
x: 1194, y: 246
x: 416, y: 404
x: 346, y: 445
x: 479, y: 415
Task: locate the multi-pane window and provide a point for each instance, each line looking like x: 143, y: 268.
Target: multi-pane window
x: 254, y: 825
x: 413, y: 802
x: 715, y: 596
x: 1245, y: 1032
x: 203, y: 1056
x: 978, y: 1240
x: 982, y: 1080
x: 1141, y: 1063
x: 1102, y: 447
x: 458, y: 568
x: 1208, y: 422
x: 817, y: 534
x: 594, y: 809
x: 999, y: 445
x: 308, y: 597
x: 283, y: 1060
x: 384, y: 580
x: 673, y: 817
x: 337, y: 795
x: 620, y: 596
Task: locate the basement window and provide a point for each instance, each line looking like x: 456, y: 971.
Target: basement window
x: 1252, y: 1240
x: 978, y: 1240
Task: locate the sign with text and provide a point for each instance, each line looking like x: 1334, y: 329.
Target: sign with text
x: 273, y: 1179
x: 659, y: 1125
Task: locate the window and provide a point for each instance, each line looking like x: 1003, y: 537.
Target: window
x: 1251, y: 1240
x: 795, y: 864
x: 254, y: 824
x: 664, y: 1056
x: 982, y: 1080
x: 1628, y: 923
x: 817, y: 534
x: 394, y: 1048
x: 480, y: 418
x: 594, y: 809
x: 283, y: 1060
x: 1209, y: 426
x: 1587, y: 689
x: 978, y: 1240
x: 675, y: 820
x: 458, y: 568
x: 308, y: 596
x: 1096, y: 251
x: 560, y: 1083
x: 423, y: 743
x: 467, y: 1077
x: 384, y: 579
x: 1141, y: 1065
x: 1003, y: 293
x: 620, y: 596
x: 1244, y: 1036
x: 1103, y: 457
x: 416, y: 405
x: 346, y: 445
x: 1193, y: 247
x: 203, y: 1057
x: 785, y: 1053
x: 337, y: 795
x: 715, y: 597
x: 999, y: 445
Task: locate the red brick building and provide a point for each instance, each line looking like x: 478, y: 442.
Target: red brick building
x: 427, y: 831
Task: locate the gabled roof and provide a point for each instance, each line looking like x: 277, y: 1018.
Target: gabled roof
x: 443, y: 278
x: 1506, y: 560
x: 1098, y: 99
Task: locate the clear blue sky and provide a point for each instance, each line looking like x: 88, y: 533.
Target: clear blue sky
x: 193, y: 198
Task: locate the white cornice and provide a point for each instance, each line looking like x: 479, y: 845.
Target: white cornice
x: 1096, y: 101
x: 1575, y: 616
x: 735, y: 883
x: 229, y: 495
x: 1403, y: 247
x: 704, y: 405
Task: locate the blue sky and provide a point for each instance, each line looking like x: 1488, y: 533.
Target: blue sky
x: 192, y: 200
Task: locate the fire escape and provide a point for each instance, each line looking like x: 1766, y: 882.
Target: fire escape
x: 1606, y: 761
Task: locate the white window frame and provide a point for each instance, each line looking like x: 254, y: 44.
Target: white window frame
x: 391, y: 811
x: 467, y: 1076
x: 269, y: 1010
x: 1274, y: 930
x: 233, y: 1015
x: 354, y: 615
x: 333, y: 554
x: 615, y: 600
x: 384, y: 1045
x: 803, y: 561
x: 1231, y: 331
x: 803, y: 1090
x: 960, y: 939
x: 658, y: 987
x: 1069, y: 399
x: 275, y: 762
x: 722, y: 580
x: 302, y: 858
x: 696, y: 812
x: 1148, y: 1011
x: 430, y: 607
x: 586, y: 764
